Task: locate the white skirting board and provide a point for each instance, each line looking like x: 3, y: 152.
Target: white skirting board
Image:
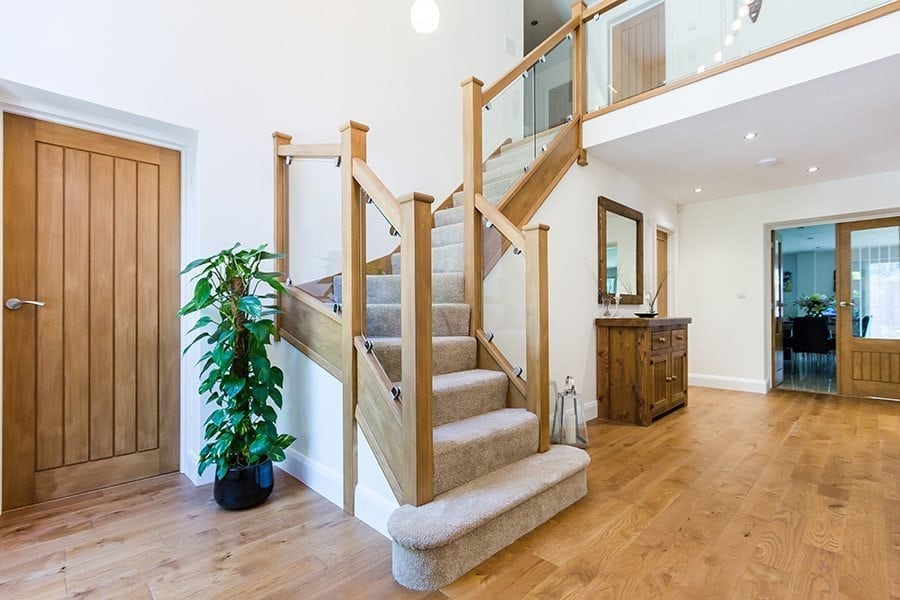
x: 320, y: 478
x: 374, y: 509
x: 737, y: 384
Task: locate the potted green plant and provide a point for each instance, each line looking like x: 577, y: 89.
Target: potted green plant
x: 237, y: 376
x: 814, y: 304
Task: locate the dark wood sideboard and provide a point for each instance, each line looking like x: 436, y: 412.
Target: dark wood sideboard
x: 642, y: 367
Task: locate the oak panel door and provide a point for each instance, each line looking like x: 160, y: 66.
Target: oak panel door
x: 638, y: 53
x: 662, y: 272
x: 91, y: 229
x: 868, y: 297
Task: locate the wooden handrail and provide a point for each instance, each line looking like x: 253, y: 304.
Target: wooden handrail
x: 501, y: 361
x: 599, y: 8
x: 529, y: 61
x: 375, y: 368
x: 309, y: 151
x: 499, y: 220
x: 378, y: 192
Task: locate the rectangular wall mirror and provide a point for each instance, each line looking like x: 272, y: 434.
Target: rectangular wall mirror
x: 620, y: 251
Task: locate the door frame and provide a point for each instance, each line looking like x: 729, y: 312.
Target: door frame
x: 46, y: 106
x: 767, y: 313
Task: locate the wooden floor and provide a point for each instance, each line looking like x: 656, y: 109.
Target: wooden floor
x: 741, y: 496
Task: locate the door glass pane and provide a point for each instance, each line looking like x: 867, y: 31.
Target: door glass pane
x: 875, y: 282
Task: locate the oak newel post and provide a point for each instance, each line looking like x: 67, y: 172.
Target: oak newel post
x: 537, y: 351
x: 416, y: 386
x: 473, y: 183
x: 353, y: 145
x: 281, y: 215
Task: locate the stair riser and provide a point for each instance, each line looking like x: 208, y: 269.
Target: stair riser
x: 501, y: 186
x: 448, y: 216
x: 439, y: 567
x: 446, y: 259
x: 500, y: 444
x: 455, y: 404
x: 447, y: 235
x: 383, y: 320
x: 449, y: 356
x: 517, y: 168
x: 459, y: 199
x: 446, y: 288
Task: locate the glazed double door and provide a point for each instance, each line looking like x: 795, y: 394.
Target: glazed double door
x: 91, y: 256
x: 868, y: 308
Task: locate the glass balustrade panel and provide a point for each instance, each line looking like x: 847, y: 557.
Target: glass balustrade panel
x: 640, y: 45
x: 504, y: 297
x: 315, y: 226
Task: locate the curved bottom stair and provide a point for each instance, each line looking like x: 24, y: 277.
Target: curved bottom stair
x: 437, y: 543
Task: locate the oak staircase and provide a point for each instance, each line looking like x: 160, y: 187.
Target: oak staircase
x: 461, y: 437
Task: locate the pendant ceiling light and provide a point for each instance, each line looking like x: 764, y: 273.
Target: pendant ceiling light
x: 425, y: 16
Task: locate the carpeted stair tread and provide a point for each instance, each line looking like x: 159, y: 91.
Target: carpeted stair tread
x: 446, y: 288
x: 445, y: 259
x: 469, y: 448
x: 383, y: 320
x: 499, y: 187
x: 448, y: 354
x: 459, y: 198
x: 449, y: 216
x: 462, y: 394
x: 543, y: 137
x: 455, y: 513
x: 501, y: 172
x: 447, y: 235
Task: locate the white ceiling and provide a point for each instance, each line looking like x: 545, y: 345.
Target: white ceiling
x: 848, y: 124
x: 550, y: 15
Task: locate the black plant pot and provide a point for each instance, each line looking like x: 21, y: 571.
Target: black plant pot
x: 244, y: 487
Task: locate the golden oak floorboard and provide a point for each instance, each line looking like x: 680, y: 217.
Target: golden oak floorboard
x: 786, y: 495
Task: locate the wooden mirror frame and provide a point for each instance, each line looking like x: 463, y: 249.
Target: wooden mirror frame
x: 605, y: 205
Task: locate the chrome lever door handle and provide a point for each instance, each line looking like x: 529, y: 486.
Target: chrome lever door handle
x: 16, y: 304
x: 846, y: 304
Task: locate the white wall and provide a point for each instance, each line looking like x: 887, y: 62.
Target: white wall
x: 571, y: 213
x: 232, y: 73
x: 724, y: 269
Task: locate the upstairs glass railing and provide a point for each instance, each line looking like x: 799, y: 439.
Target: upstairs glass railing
x: 521, y: 121
x: 639, y: 45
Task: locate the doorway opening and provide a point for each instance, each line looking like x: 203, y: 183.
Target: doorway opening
x: 807, y: 278
x: 835, y: 308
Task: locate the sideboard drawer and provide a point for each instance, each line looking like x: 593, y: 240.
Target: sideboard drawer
x: 679, y: 338
x: 660, y: 340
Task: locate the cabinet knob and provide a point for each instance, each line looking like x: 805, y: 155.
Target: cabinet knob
x: 668, y: 379
x: 674, y: 378
x: 662, y: 339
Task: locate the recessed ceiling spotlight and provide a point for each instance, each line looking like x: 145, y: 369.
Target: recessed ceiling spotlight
x: 813, y: 170
x: 768, y: 162
x: 698, y: 190
x: 750, y: 135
